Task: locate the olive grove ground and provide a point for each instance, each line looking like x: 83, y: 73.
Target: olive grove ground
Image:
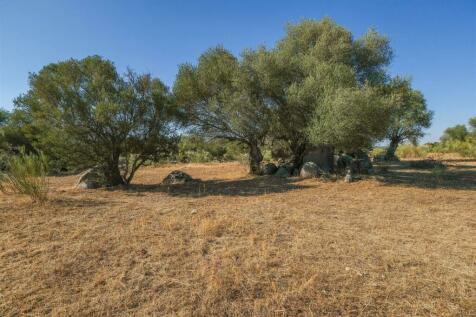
x: 400, y: 243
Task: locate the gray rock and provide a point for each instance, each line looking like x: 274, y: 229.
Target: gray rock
x: 88, y: 184
x: 322, y: 155
x: 359, y: 163
x: 365, y: 164
x: 343, y: 161
x: 348, y: 176
x: 309, y: 169
x: 90, y: 179
x: 269, y: 169
x: 283, y: 171
x: 177, y: 177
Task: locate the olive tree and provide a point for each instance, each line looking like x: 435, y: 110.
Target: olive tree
x: 4, y: 115
x: 351, y: 119
x: 84, y: 112
x: 409, y: 114
x: 223, y: 99
x: 313, y: 61
x: 457, y: 133
x: 472, y: 125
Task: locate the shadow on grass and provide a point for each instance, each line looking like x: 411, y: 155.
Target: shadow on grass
x: 454, y: 177
x: 241, y: 187
x: 68, y: 202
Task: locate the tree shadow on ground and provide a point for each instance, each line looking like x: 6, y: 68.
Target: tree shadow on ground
x: 454, y: 177
x: 69, y: 202
x: 240, y: 187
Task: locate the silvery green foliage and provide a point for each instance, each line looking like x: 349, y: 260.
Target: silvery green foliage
x: 350, y: 118
x: 222, y: 98
x: 409, y: 113
x: 313, y: 63
x: 84, y: 113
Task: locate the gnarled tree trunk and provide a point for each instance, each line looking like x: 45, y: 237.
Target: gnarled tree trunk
x: 392, y: 148
x: 112, y: 173
x: 298, y: 149
x: 255, y: 158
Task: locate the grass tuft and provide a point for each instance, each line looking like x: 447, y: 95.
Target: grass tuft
x: 26, y: 174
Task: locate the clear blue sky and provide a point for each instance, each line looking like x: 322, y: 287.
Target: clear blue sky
x: 434, y: 41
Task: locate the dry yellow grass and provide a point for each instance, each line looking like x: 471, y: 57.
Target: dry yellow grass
x: 400, y: 244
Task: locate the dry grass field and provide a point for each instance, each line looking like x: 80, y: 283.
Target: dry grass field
x: 401, y: 243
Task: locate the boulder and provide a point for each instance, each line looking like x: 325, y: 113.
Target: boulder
x: 91, y: 178
x: 365, y: 164
x: 269, y: 169
x: 309, y: 169
x: 359, y: 163
x: 343, y: 161
x: 322, y: 155
x: 283, y: 171
x: 177, y: 177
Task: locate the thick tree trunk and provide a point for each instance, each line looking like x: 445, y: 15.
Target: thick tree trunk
x: 112, y: 173
x: 255, y: 159
x: 298, y: 150
x: 392, y: 148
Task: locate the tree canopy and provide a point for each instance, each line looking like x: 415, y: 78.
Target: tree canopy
x: 4, y: 115
x: 314, y: 67
x: 84, y: 113
x: 223, y: 100
x: 350, y: 119
x: 457, y: 133
x: 409, y: 114
x: 472, y: 126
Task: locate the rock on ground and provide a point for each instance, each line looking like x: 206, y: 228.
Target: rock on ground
x: 177, y: 177
x: 309, y: 169
x: 348, y: 176
x: 283, y: 171
x: 269, y: 169
x: 359, y: 163
x: 90, y: 179
x: 322, y: 155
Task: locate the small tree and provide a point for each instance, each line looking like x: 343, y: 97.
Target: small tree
x: 457, y: 133
x: 409, y: 114
x: 84, y: 113
x: 223, y: 100
x: 472, y: 126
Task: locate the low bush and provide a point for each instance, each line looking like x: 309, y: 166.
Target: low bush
x: 412, y: 151
x: 197, y: 149
x: 466, y: 148
x: 26, y: 174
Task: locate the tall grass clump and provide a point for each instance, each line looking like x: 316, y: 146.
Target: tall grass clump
x: 26, y: 173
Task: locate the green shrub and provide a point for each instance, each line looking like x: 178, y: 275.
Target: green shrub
x: 197, y: 149
x: 26, y: 174
x: 412, y: 151
x: 466, y: 148
x: 378, y: 152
